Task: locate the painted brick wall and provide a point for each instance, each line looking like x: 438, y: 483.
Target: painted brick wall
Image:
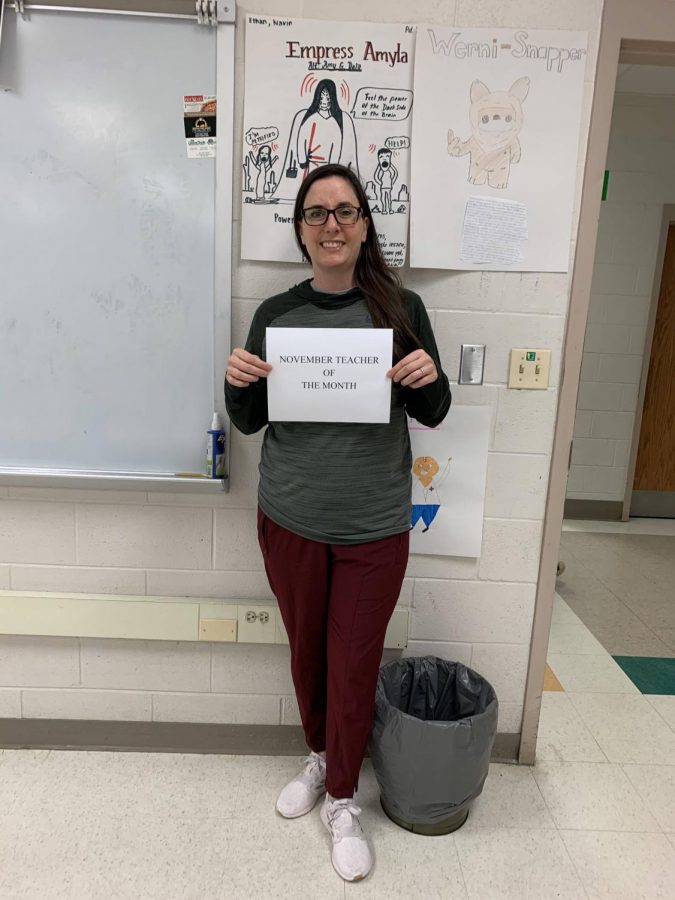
x: 476, y: 611
x: 642, y: 179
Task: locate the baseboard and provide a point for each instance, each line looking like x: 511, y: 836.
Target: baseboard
x: 177, y: 737
x: 151, y: 737
x: 653, y: 504
x: 600, y: 510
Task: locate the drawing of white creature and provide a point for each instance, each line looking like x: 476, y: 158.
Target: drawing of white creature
x: 496, y: 120
x: 425, y: 495
x: 386, y: 175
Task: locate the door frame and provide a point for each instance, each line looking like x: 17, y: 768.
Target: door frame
x: 643, y: 31
x: 667, y: 220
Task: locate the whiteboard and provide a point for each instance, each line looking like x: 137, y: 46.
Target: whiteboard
x: 107, y: 245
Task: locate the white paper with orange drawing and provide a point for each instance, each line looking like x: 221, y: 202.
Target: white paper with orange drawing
x: 448, y: 475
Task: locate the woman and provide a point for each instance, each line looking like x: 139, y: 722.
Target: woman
x: 335, y: 499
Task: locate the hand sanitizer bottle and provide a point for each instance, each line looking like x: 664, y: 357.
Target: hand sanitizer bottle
x: 215, y: 449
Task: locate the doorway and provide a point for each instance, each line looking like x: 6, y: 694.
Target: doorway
x: 653, y: 487
x: 642, y: 36
x: 617, y: 578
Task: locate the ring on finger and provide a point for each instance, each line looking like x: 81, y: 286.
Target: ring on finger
x: 422, y: 371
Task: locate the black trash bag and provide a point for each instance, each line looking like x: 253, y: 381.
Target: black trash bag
x: 434, y: 725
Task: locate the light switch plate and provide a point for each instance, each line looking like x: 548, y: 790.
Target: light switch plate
x: 471, y: 364
x: 529, y: 369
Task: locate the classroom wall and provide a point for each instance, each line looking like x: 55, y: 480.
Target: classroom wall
x: 477, y: 611
x: 642, y: 179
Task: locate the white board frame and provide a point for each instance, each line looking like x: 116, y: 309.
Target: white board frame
x: 15, y: 476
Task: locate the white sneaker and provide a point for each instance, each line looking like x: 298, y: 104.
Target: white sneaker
x: 351, y: 855
x: 301, y: 794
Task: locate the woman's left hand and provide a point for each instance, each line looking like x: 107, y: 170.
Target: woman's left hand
x: 415, y: 370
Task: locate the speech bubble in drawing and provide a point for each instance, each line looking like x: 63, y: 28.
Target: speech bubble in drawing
x: 388, y: 104
x: 397, y: 143
x: 261, y: 135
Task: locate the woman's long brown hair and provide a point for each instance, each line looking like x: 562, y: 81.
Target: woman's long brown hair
x: 380, y: 285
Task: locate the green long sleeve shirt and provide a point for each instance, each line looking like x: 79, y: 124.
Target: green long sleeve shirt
x: 338, y: 483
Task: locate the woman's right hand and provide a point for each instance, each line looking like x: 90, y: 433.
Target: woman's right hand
x: 244, y: 368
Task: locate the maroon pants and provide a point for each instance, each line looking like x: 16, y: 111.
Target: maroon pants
x: 335, y: 601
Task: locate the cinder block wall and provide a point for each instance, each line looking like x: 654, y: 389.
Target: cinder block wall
x: 642, y: 179
x: 477, y: 611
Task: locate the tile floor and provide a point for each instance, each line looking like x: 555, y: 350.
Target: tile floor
x: 594, y: 818
x: 620, y: 581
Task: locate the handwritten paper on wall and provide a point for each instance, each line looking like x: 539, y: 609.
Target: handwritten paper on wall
x: 319, y: 92
x: 494, y: 231
x: 507, y: 130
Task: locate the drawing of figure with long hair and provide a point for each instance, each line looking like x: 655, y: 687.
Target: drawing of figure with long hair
x: 321, y: 133
x: 326, y: 133
x: 261, y: 163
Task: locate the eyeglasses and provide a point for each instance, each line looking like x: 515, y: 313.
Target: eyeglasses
x: 344, y: 215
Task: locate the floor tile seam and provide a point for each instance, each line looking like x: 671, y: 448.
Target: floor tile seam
x: 643, y: 805
x: 640, y: 795
x: 581, y: 656
x: 121, y: 817
x: 529, y: 830
x: 650, y: 628
x: 605, y: 761
x: 575, y: 869
x: 592, y: 692
x: 543, y: 798
x: 461, y: 868
x: 609, y: 831
x: 651, y: 831
x: 622, y: 690
x: 633, y: 694
x: 629, y: 609
x: 593, y: 689
x: 658, y: 830
x: 632, y: 612
x: 657, y: 711
x: 587, y: 572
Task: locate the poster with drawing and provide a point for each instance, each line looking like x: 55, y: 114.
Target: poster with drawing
x: 448, y: 474
x: 320, y: 92
x: 495, y: 145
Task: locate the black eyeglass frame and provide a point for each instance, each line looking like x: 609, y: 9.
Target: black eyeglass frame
x: 359, y: 211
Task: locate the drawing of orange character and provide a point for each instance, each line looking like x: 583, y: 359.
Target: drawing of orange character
x: 496, y: 120
x: 426, y: 499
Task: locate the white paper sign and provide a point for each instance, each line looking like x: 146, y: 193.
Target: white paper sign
x: 329, y: 374
x: 448, y: 474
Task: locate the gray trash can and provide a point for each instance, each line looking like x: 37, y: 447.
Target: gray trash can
x: 434, y: 725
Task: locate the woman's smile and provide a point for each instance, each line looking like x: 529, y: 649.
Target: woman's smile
x: 333, y: 247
